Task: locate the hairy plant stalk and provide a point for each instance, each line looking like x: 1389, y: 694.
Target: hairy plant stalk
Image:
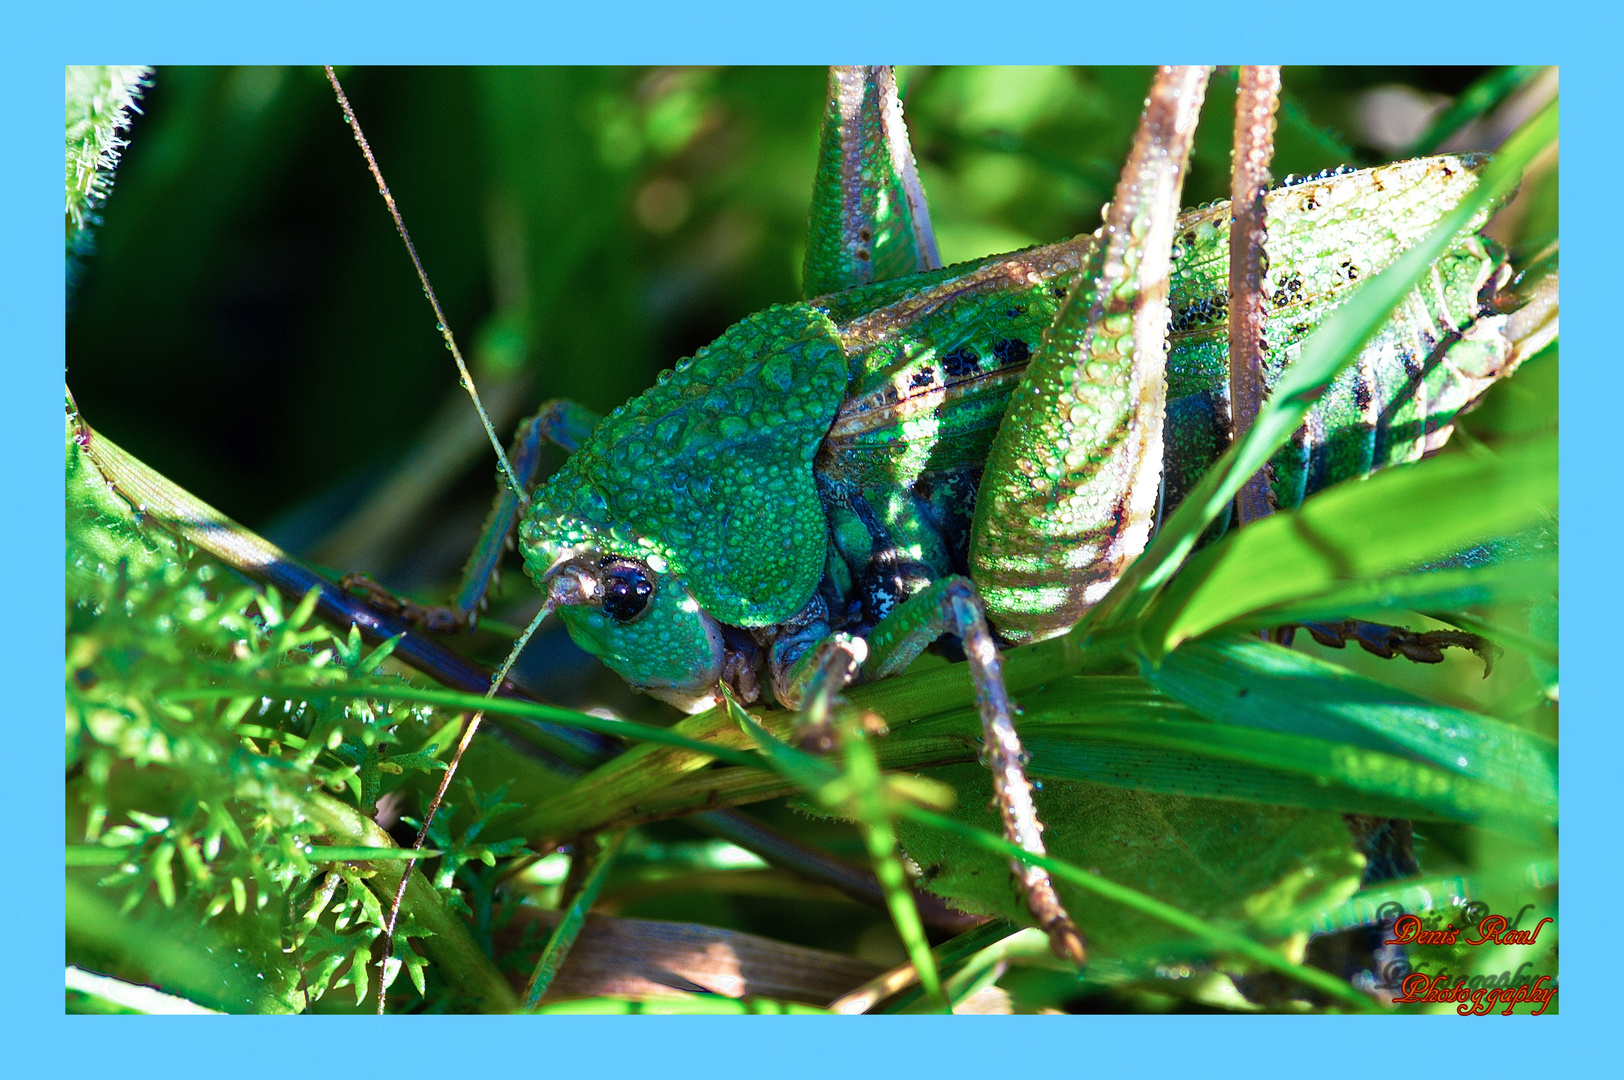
x: 1255, y: 107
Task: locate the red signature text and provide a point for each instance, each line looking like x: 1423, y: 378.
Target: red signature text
x: 1474, y: 1001
x: 1408, y: 930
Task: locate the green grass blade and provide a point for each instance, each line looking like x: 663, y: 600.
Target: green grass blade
x: 1356, y: 531
x: 1253, y: 684
x: 322, y: 853
x: 497, y: 707
x: 95, y: 855
x: 1482, y: 96
x: 1196, y: 758
x: 1514, y: 581
x: 564, y: 934
x: 109, y: 995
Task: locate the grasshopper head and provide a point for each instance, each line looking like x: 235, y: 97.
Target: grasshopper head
x: 642, y: 621
x: 693, y: 507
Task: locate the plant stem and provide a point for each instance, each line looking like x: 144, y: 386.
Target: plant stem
x: 565, y: 933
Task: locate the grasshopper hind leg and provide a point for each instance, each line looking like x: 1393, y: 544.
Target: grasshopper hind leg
x: 1074, y: 474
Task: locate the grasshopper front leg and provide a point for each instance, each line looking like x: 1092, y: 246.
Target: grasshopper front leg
x: 948, y: 606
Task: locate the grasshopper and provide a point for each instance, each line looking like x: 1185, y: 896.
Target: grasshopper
x: 978, y: 452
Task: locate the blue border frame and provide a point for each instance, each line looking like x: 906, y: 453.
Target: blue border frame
x: 43, y: 39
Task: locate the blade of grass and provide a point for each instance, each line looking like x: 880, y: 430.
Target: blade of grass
x: 1483, y: 96
x: 95, y: 855
x: 322, y: 853
x: 1511, y: 581
x: 1253, y: 684
x: 128, y: 997
x: 564, y: 934
x: 498, y: 707
x: 1275, y: 769
x: 1357, y: 530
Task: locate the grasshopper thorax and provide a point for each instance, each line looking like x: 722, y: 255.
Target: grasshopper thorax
x: 694, y: 505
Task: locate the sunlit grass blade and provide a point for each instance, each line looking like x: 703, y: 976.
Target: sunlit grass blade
x: 1356, y: 531
x: 1511, y: 581
x: 1179, y: 753
x: 1476, y: 100
x: 321, y: 853
x: 109, y: 995
x: 497, y: 707
x: 1253, y: 684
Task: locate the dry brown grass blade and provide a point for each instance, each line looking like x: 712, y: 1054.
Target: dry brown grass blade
x: 640, y: 958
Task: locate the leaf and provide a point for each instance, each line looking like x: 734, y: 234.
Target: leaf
x: 1252, y: 684
x: 1203, y: 856
x: 1354, y: 532
x: 1448, y: 589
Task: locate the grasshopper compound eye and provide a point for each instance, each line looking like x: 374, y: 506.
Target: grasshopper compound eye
x: 626, y: 589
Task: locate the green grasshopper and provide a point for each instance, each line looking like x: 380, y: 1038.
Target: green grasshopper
x: 975, y: 452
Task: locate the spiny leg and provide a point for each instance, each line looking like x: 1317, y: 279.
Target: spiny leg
x: 1379, y: 639
x: 1255, y: 106
x: 950, y: 606
x: 562, y: 423
x: 869, y: 220
x: 1073, y: 477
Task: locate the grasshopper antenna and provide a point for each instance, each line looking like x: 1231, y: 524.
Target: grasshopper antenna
x: 555, y: 595
x: 428, y: 290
